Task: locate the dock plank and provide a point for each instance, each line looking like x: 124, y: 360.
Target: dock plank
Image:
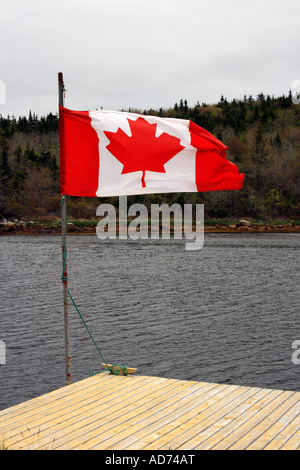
x: 100, y: 435
x: 286, y: 417
x: 111, y: 412
x: 206, y: 414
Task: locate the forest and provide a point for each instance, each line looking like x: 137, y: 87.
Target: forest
x: 263, y: 139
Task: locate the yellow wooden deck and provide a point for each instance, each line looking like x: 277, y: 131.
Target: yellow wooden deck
x: 139, y: 412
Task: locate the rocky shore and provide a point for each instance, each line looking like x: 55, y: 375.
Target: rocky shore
x: 9, y: 227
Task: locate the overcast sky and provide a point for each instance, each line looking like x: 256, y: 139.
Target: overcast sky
x: 141, y: 54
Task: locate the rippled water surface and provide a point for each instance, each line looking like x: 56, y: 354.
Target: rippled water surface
x: 228, y: 313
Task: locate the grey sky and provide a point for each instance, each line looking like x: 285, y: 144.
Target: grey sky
x: 141, y: 54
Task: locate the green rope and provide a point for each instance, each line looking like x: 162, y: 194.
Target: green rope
x: 116, y: 372
x: 65, y: 278
x: 86, y: 327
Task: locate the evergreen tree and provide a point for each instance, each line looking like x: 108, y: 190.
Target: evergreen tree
x: 4, y: 163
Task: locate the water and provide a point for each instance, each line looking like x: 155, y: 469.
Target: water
x: 228, y: 313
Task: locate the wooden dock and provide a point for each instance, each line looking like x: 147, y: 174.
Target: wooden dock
x: 114, y: 412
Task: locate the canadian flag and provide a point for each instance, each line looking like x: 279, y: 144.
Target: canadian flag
x: 109, y: 153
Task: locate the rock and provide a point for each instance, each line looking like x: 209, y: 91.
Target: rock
x: 244, y: 222
x: 9, y: 227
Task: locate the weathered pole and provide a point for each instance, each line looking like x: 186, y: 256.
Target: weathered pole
x: 61, y: 92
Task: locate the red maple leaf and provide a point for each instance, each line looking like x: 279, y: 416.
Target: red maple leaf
x: 143, y: 151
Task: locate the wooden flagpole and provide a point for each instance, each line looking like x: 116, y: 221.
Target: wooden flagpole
x: 61, y: 92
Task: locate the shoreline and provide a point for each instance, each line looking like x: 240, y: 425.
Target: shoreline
x: 16, y: 228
